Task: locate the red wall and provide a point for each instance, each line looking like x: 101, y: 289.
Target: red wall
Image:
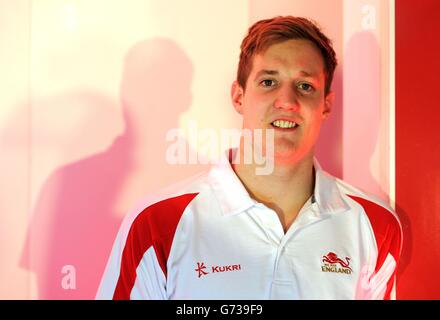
x: 418, y: 146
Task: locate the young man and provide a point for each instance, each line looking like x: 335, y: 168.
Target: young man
x: 293, y: 233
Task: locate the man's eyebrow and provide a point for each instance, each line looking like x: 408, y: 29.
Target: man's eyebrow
x: 309, y: 74
x: 266, y: 72
x: 275, y: 73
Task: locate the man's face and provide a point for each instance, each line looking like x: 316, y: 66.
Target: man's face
x: 285, y: 91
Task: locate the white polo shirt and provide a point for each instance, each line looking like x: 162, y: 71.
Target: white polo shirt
x: 208, y: 239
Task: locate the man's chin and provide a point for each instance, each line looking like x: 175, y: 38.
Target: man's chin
x: 286, y: 157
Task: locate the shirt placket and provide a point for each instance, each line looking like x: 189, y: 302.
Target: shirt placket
x: 285, y: 284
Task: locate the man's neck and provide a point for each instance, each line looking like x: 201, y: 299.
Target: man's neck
x: 285, y: 190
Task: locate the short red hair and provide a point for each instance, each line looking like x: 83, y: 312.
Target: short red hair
x: 265, y: 33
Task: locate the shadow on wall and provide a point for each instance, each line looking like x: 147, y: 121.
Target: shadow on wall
x: 80, y: 206
x: 363, y: 76
x: 329, y: 144
x: 362, y: 101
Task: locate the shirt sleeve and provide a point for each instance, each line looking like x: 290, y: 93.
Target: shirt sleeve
x: 137, y: 268
x: 133, y: 270
x: 388, y: 259
x: 378, y: 280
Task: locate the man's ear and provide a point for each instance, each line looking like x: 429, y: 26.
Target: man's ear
x: 237, y: 93
x: 328, y: 104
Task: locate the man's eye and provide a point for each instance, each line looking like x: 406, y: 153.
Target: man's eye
x: 305, y: 87
x: 267, y: 83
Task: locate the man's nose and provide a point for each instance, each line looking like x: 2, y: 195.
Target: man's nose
x: 287, y: 99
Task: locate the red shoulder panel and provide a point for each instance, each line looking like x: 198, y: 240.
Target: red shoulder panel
x: 387, y: 233
x: 154, y: 226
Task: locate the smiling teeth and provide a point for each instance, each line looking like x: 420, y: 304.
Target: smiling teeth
x: 284, y: 124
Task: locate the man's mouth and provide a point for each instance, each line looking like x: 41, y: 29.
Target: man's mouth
x: 284, y: 124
